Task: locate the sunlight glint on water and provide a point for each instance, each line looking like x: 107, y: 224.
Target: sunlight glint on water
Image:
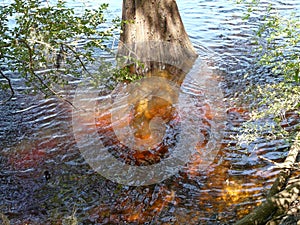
x: 36, y: 136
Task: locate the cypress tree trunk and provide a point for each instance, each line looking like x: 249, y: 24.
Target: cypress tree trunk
x: 154, y: 35
x: 154, y: 30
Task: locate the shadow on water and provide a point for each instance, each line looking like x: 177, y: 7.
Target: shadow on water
x: 44, y: 178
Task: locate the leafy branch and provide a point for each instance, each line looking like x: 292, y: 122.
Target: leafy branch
x: 277, y: 46
x: 43, y: 43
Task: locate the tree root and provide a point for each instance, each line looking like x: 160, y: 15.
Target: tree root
x: 280, y: 196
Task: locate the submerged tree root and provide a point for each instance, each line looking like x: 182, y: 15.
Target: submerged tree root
x: 281, y: 195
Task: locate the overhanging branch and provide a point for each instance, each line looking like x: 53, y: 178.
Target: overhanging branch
x: 42, y: 82
x: 10, y: 87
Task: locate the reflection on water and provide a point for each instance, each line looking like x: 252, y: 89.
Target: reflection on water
x: 141, y: 122
x: 36, y: 137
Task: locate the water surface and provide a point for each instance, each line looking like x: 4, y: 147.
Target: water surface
x: 37, y: 138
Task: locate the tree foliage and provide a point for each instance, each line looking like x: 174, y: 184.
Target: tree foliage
x: 277, y: 45
x: 44, y: 43
x: 277, y: 38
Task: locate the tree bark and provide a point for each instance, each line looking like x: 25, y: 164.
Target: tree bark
x: 154, y: 31
x: 280, y: 196
x: 153, y: 35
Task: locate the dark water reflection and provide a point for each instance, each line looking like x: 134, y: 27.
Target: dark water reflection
x: 36, y: 137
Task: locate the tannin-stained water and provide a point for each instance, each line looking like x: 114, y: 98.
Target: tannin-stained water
x: 44, y: 178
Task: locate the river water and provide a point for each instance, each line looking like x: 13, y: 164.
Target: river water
x: 37, y: 140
